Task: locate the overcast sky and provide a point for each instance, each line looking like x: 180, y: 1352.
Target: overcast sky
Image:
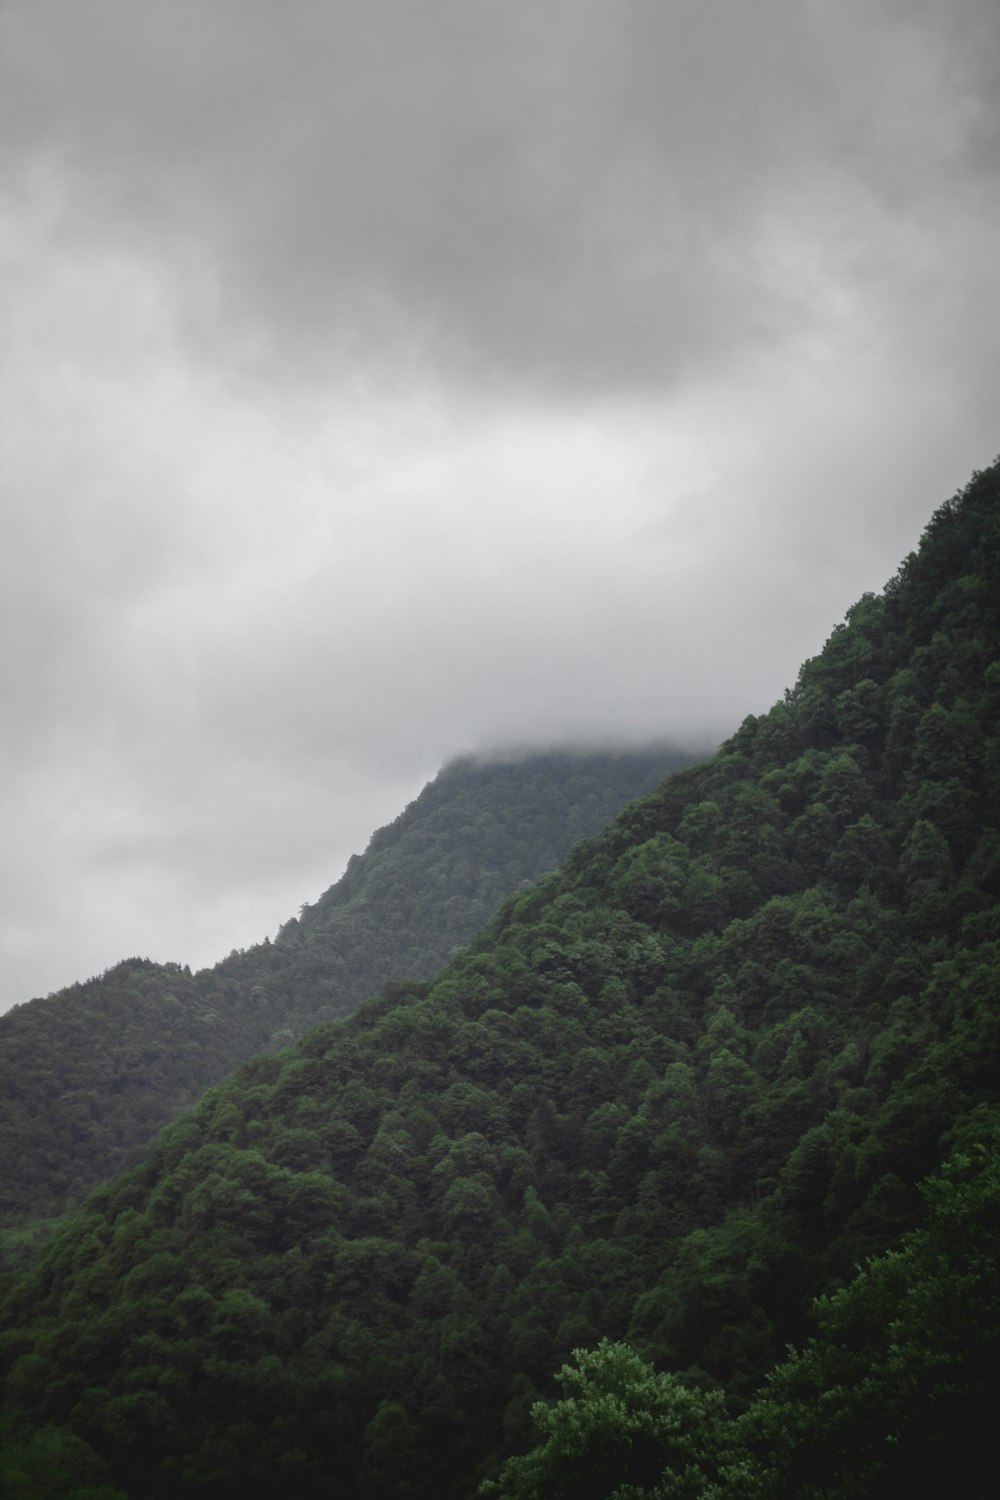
x: 385, y: 380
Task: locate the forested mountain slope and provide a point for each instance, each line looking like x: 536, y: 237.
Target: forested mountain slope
x: 669, y: 1096
x: 88, y: 1076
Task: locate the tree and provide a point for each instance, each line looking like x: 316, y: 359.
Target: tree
x: 897, y: 1394
x: 621, y: 1431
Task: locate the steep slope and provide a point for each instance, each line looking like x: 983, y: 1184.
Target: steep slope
x: 88, y: 1076
x: 670, y: 1095
x: 429, y: 881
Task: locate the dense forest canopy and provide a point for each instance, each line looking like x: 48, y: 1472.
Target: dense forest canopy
x: 89, y: 1075
x: 739, y: 1053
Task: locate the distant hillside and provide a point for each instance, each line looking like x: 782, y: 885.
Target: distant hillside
x: 670, y: 1095
x: 87, y: 1076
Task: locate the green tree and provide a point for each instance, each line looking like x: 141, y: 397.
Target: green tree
x: 619, y: 1432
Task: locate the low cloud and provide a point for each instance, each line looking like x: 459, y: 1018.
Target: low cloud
x: 388, y: 382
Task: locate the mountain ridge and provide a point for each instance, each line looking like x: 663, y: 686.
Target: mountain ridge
x: 88, y: 1074
x: 664, y: 1101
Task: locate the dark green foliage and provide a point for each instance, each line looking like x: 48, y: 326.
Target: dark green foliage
x: 89, y: 1075
x: 670, y: 1096
x: 50, y: 1463
x: 895, y: 1396
x: 897, y: 1393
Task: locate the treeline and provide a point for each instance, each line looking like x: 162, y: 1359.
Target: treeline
x: 669, y: 1097
x: 89, y: 1075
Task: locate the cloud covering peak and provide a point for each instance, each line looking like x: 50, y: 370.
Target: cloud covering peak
x: 387, y: 381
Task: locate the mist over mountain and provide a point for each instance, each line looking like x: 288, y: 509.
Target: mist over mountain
x: 738, y: 1053
x: 88, y: 1075
x: 383, y: 382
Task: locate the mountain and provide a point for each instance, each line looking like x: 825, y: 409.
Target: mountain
x: 739, y: 1053
x: 88, y: 1075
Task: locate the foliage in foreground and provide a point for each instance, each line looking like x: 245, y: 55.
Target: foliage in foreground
x: 895, y: 1395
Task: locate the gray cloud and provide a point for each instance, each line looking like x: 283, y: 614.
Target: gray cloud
x: 566, y: 196
x: 385, y: 381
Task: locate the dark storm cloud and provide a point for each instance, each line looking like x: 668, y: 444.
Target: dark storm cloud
x: 585, y: 195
